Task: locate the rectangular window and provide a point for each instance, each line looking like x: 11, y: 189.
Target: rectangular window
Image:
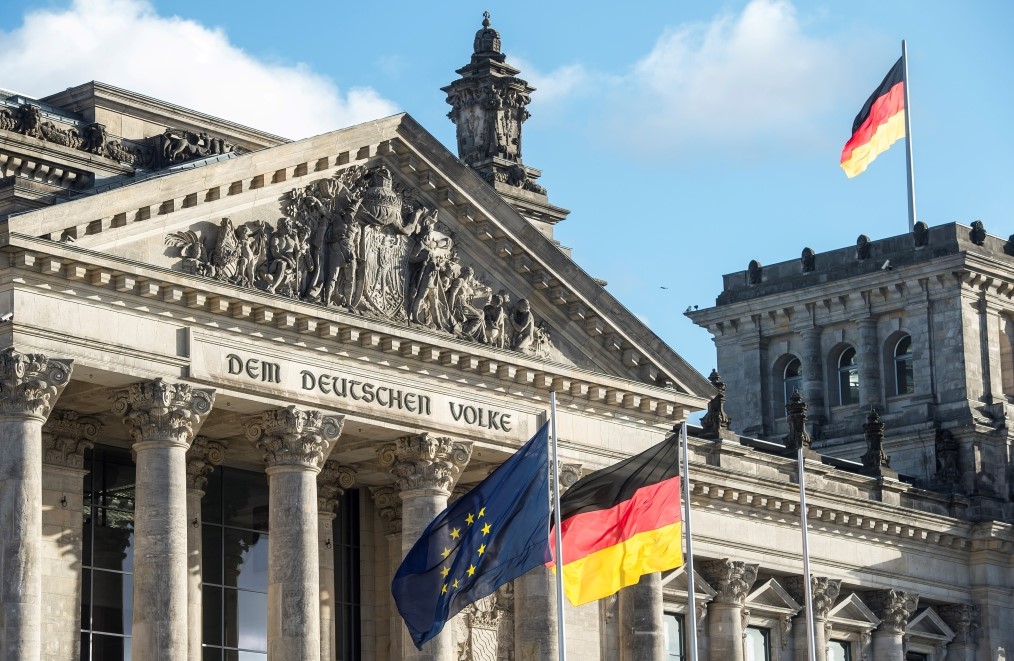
x: 758, y: 644
x: 107, y: 555
x: 346, y: 577
x: 674, y: 643
x: 839, y: 650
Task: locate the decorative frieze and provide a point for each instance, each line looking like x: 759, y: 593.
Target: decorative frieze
x: 333, y: 481
x: 202, y: 457
x: 30, y: 383
x: 732, y: 579
x: 65, y: 437
x: 362, y: 242
x: 425, y: 461
x: 294, y: 437
x: 162, y: 411
x: 893, y: 607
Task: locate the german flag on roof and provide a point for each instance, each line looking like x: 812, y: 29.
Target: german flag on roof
x: 879, y: 124
x: 622, y: 522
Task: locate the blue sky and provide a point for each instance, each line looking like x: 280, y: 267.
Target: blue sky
x: 686, y: 138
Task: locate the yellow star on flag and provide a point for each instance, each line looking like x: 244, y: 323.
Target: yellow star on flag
x: 471, y: 570
x: 444, y: 571
x: 456, y: 533
x: 443, y: 590
x: 482, y: 549
x: 469, y: 519
x: 482, y: 512
x: 486, y: 528
x: 455, y: 584
x: 446, y: 552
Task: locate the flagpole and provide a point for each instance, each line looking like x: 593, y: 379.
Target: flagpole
x: 561, y: 628
x: 808, y: 588
x: 908, y: 140
x: 691, y: 598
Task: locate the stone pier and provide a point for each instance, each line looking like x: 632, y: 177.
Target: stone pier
x: 425, y: 469
x: 202, y: 457
x: 295, y: 443
x: 387, y: 503
x: 332, y: 482
x: 162, y: 418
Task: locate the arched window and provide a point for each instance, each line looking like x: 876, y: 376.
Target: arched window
x: 848, y: 378
x: 903, y: 381
x: 792, y: 378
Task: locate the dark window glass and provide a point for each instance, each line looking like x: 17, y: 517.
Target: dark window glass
x: 848, y: 378
x: 245, y: 499
x: 792, y: 379
x: 673, y: 629
x: 107, y: 555
x: 903, y: 375
x: 246, y: 562
x: 346, y: 580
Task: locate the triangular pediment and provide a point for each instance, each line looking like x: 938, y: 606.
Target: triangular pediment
x: 773, y: 598
x: 852, y: 612
x: 379, y: 221
x: 677, y: 581
x: 927, y: 624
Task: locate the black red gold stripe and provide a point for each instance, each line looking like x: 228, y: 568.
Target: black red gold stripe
x: 879, y: 124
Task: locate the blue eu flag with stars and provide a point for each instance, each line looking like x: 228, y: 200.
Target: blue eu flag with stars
x: 496, y: 532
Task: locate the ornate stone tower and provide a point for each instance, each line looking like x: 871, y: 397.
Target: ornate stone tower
x: 488, y: 107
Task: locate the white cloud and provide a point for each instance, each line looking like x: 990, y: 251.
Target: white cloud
x: 553, y: 87
x: 127, y: 44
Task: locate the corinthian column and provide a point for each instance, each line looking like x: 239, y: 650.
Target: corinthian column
x: 425, y: 469
x: 29, y: 387
x: 162, y: 418
x: 332, y: 481
x: 825, y: 592
x: 295, y: 444
x: 733, y: 580
x: 65, y: 437
x: 893, y: 607
x: 202, y: 457
x: 963, y: 619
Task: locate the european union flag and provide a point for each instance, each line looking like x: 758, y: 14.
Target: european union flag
x: 496, y: 532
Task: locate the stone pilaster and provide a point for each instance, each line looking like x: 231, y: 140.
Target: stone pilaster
x: 162, y: 418
x: 894, y: 608
x: 424, y: 468
x: 388, y: 505
x: 202, y: 456
x: 812, y: 361
x: 537, y: 618
x: 732, y: 579
x: 65, y: 437
x: 332, y: 482
x: 964, y: 620
x: 29, y: 387
x: 295, y: 443
x: 824, y: 593
x: 868, y: 354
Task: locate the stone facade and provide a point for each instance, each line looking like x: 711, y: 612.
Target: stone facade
x: 358, y: 314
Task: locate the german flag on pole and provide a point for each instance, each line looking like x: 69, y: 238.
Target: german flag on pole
x: 622, y: 522
x: 879, y: 124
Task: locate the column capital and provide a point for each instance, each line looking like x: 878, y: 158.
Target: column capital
x: 295, y: 437
x: 388, y: 505
x: 425, y: 461
x: 65, y: 437
x: 30, y: 383
x: 964, y: 619
x: 823, y: 589
x: 160, y: 411
x: 893, y: 607
x: 202, y: 457
x: 732, y: 579
x: 569, y: 475
x: 332, y: 482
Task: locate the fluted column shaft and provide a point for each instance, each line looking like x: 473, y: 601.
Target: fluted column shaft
x: 29, y: 387
x: 332, y: 481
x: 65, y: 437
x: 641, y: 634
x: 732, y: 579
x: 425, y: 469
x: 202, y: 456
x: 162, y: 418
x: 295, y: 444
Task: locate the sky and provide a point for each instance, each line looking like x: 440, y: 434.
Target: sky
x: 687, y: 138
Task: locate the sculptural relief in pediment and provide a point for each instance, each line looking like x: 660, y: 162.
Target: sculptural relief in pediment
x: 364, y: 243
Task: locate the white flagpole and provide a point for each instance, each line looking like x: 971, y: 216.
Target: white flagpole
x: 808, y: 588
x: 691, y: 598
x: 908, y: 140
x: 561, y: 628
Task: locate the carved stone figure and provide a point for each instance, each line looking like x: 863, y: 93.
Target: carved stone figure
x: 795, y: 416
x: 754, y: 272
x: 180, y: 145
x: 342, y: 239
x: 285, y: 248
x: 808, y: 260
x: 921, y: 234
x: 94, y: 136
x: 465, y: 318
x: 978, y: 233
x: 716, y: 421
x: 522, y: 326
x: 948, y: 470
x: 863, y: 247
x: 495, y: 322
x: 30, y: 120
